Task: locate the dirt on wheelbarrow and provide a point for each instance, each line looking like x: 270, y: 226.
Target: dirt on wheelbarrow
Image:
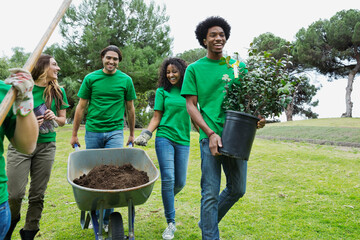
x: 113, y: 177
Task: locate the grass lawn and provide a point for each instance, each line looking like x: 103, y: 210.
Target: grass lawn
x: 337, y: 131
x: 294, y: 191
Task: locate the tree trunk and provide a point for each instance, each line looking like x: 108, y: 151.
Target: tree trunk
x: 349, y: 88
x: 290, y: 107
x: 289, y: 111
x: 348, y: 101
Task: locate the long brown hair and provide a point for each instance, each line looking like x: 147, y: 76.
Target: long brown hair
x: 52, y: 90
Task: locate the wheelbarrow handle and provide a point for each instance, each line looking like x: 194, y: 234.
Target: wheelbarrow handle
x: 76, y: 147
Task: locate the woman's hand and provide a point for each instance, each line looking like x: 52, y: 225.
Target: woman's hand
x: 40, y: 120
x: 49, y: 115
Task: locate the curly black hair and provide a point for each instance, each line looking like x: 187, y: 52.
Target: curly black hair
x: 203, y: 27
x: 180, y: 64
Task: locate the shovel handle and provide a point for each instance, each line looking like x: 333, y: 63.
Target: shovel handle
x: 31, y: 61
x: 6, y: 103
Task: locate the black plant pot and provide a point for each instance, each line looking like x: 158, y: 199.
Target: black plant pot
x: 238, y: 134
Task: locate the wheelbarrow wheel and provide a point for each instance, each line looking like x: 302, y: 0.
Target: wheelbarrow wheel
x: 116, y: 228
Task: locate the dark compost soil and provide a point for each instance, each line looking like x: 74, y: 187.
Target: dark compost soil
x: 113, y: 177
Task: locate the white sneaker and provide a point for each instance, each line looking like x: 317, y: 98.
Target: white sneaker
x: 90, y: 225
x: 169, y: 231
x: 106, y: 227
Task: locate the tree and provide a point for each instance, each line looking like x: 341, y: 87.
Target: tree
x: 18, y: 59
x: 192, y: 55
x: 303, y: 92
x: 332, y: 47
x: 139, y: 30
x: 4, y: 66
x: 274, y: 45
x: 302, y: 98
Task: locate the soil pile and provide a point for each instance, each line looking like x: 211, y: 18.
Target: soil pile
x: 113, y: 177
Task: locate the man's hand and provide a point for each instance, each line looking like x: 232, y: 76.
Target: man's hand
x: 22, y: 80
x: 261, y: 123
x: 214, y: 144
x: 74, y: 140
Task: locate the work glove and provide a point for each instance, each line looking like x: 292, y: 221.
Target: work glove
x: 143, y: 138
x: 22, y: 80
x: 47, y: 125
x: 52, y: 125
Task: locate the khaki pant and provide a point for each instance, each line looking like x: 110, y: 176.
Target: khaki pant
x: 19, y: 166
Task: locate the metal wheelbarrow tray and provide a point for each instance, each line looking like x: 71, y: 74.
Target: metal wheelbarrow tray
x: 89, y: 199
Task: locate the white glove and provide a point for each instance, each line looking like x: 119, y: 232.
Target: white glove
x: 144, y: 137
x: 22, y: 80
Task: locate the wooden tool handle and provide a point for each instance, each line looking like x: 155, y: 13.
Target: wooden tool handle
x: 30, y: 63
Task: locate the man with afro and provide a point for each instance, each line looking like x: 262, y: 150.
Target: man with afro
x: 204, y: 87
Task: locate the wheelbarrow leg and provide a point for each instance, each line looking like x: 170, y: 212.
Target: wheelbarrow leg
x: 131, y: 214
x: 84, y: 219
x: 95, y: 224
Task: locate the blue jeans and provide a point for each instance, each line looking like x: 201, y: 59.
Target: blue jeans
x: 215, y: 206
x: 113, y: 139
x: 5, y: 219
x: 173, y: 162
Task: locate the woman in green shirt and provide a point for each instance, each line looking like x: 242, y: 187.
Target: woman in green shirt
x: 50, y: 107
x: 172, y: 141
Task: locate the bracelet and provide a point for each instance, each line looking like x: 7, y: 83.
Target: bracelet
x: 212, y: 132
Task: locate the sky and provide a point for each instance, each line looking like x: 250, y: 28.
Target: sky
x: 23, y: 22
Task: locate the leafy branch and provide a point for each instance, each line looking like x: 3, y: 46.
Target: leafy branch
x: 263, y: 86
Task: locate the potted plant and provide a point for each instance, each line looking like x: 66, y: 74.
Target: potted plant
x: 261, y: 89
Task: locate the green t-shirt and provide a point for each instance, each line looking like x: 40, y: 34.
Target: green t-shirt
x: 205, y: 79
x: 175, y: 122
x: 107, y: 94
x: 38, y: 93
x: 6, y: 129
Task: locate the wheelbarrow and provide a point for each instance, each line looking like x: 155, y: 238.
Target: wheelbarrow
x: 89, y: 200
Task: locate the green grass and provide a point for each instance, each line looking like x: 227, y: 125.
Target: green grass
x: 324, y: 122
x: 294, y: 191
x: 337, y: 131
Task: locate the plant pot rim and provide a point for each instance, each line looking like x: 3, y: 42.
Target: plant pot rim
x: 242, y: 113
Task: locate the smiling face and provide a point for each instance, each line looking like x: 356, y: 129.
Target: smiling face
x: 110, y: 62
x: 52, y: 72
x: 172, y: 74
x: 215, y: 42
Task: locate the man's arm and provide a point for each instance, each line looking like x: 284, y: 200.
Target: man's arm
x: 79, y: 114
x: 214, y: 139
x: 26, y: 133
x: 131, y: 120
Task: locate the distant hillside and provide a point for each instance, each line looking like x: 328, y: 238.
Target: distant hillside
x: 333, y: 131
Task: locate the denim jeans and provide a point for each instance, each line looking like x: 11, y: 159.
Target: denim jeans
x: 215, y: 206
x: 173, y: 162
x: 113, y: 139
x: 5, y: 219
